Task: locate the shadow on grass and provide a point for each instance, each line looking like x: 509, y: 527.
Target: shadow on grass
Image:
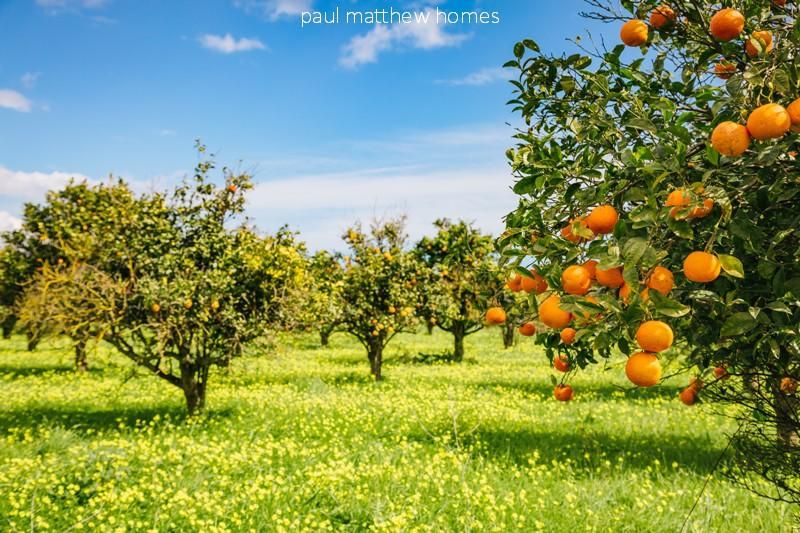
x: 79, y: 419
x: 16, y: 371
x: 602, y: 392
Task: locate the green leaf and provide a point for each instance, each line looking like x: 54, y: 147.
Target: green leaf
x: 667, y: 306
x: 737, y: 324
x: 519, y: 50
x: 731, y: 265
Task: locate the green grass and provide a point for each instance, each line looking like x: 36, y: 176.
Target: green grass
x: 301, y: 439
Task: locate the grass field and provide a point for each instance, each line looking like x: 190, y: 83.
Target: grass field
x: 299, y: 438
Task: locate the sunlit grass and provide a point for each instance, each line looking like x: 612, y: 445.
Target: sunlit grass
x: 299, y: 438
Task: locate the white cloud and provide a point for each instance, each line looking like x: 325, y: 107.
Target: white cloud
x: 275, y: 9
x: 8, y: 221
x: 483, y: 76
x: 55, y: 7
x: 14, y: 100
x: 29, y: 79
x: 423, y: 33
x: 166, y: 132
x: 32, y: 185
x: 227, y: 44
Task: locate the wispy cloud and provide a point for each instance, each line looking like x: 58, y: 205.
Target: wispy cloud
x: 33, y: 185
x: 166, y: 132
x: 29, y: 79
x: 423, y: 32
x: 275, y: 9
x: 228, y: 44
x: 13, y: 100
x: 484, y: 76
x: 8, y: 221
x: 55, y: 7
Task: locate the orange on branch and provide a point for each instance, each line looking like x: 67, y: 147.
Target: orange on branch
x: 591, y: 266
x: 515, y: 283
x: 701, y: 267
x: 643, y: 369
x: 576, y: 280
x: 721, y: 372
x: 602, y: 219
x: 561, y: 362
x: 551, y: 314
x: 725, y: 69
x: 634, y: 33
x: 611, y: 278
x: 562, y: 393
x: 730, y: 139
x: 528, y: 329
x: 654, y: 336
x: 568, y: 335
x: 661, y: 279
x: 688, y: 396
x: 769, y: 121
x: 662, y: 16
x: 788, y: 385
x: 534, y: 283
x: 794, y: 115
x: 759, y: 42
x: 495, y: 316
x: 726, y: 24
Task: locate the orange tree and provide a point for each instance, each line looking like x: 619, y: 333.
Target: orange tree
x: 380, y: 288
x: 465, y: 271
x: 323, y: 303
x: 671, y: 166
x: 176, y: 283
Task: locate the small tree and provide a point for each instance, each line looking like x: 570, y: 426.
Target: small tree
x: 643, y: 164
x: 323, y: 305
x: 462, y: 259
x: 380, y: 288
x: 175, y: 284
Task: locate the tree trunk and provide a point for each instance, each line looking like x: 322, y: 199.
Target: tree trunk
x: 375, y: 354
x: 8, y: 326
x: 193, y: 383
x: 324, y: 337
x: 81, y: 365
x: 508, y: 335
x: 458, y: 343
x: 33, y: 341
x: 786, y: 419
x: 429, y: 326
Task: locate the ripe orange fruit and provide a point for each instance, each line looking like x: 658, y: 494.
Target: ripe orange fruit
x: 662, y: 16
x: 232, y: 188
x: 643, y: 369
x: 794, y: 114
x: 551, y: 314
x: 662, y: 280
x: 654, y: 336
x: 561, y: 363
x: 702, y: 211
x: 701, y: 267
x: 591, y: 266
x: 576, y: 280
x: 759, y: 40
x: 720, y: 372
x: 535, y: 283
x: 779, y: 3
x: 726, y: 24
x: 602, y: 219
x: 625, y: 292
x: 769, y: 121
x: 187, y: 304
x: 515, y: 283
x: 562, y: 393
x: 725, y: 69
x: 688, y: 395
x: 587, y: 315
x: 788, y: 385
x: 495, y: 316
x: 730, y: 139
x: 528, y: 329
x: 611, y: 278
x: 566, y: 232
x: 634, y: 33
x: 568, y: 335
x: 155, y: 309
x: 679, y: 199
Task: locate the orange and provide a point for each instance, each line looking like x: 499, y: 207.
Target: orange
x: 759, y: 42
x: 591, y: 266
x: 562, y: 393
x: 551, y: 313
x: 586, y: 314
x: 515, y: 283
x: 232, y: 188
x: 788, y: 385
x: 643, y: 369
x: 528, y: 329
x: 602, y: 219
x: 155, y: 308
x: 634, y: 33
x: 794, y: 114
x: 688, y: 395
x: 720, y: 372
x: 779, y: 3
x: 561, y: 363
x: 769, y: 121
x: 568, y: 335
x: 662, y: 16
x: 730, y: 138
x: 654, y: 336
x: 534, y: 283
x: 625, y: 292
x: 725, y: 69
x: 610, y: 278
x: 576, y: 280
x: 495, y: 316
x: 187, y: 304
x: 566, y: 232
x: 702, y: 211
x: 701, y: 267
x: 726, y: 24
x: 679, y: 198
x: 661, y: 279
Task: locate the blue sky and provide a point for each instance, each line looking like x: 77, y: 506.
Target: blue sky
x: 338, y: 122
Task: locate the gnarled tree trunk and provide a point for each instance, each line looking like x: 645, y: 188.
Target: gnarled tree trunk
x: 193, y: 382
x: 429, y: 326
x: 81, y: 365
x: 508, y: 335
x: 324, y: 336
x: 8, y: 326
x: 459, y: 333
x: 375, y: 355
